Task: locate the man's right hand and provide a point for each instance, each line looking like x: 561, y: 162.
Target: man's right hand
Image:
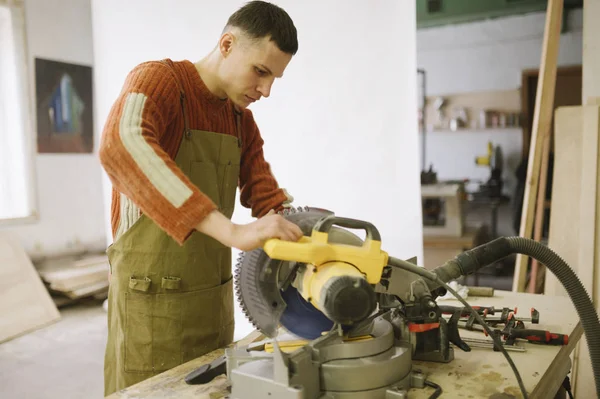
x: 247, y: 237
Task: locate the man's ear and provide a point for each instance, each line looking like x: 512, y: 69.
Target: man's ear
x: 226, y: 43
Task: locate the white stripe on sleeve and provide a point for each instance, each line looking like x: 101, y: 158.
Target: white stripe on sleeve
x: 152, y: 165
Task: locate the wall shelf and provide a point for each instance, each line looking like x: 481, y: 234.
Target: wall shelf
x: 490, y: 108
x: 474, y: 130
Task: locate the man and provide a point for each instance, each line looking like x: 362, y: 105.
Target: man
x: 178, y: 142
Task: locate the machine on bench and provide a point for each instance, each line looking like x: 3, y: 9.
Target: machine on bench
x: 343, y: 319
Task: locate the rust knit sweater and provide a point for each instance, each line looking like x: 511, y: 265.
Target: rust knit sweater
x: 141, y: 138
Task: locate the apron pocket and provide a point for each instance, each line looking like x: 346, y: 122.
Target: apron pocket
x: 227, y: 313
x: 204, y: 176
x: 140, y: 284
x: 165, y: 330
x: 203, y: 319
x: 171, y: 283
x: 152, y: 332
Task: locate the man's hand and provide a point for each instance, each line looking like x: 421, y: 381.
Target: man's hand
x: 247, y: 237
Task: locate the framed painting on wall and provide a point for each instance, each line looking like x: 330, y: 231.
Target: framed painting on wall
x: 64, y: 107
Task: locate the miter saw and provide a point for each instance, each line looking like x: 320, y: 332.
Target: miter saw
x: 343, y: 319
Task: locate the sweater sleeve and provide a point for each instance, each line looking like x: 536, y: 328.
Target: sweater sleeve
x: 137, y: 165
x: 259, y: 189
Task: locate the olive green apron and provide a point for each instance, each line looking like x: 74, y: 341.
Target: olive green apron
x: 167, y: 303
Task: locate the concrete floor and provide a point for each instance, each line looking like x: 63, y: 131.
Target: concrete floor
x: 64, y: 360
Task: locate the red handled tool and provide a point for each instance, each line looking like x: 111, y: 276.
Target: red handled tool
x: 538, y: 336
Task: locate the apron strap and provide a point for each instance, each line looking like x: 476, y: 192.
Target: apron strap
x: 181, y: 96
x: 236, y: 112
x: 238, y: 125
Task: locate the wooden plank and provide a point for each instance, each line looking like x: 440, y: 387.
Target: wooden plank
x: 25, y: 304
x: 254, y: 336
x: 588, y: 206
x: 574, y: 194
x: 89, y: 290
x: 591, y: 50
x: 574, y: 221
x: 596, y: 275
x: 542, y: 119
x: 540, y: 211
x: 563, y: 235
x: 73, y: 278
x: 588, y: 242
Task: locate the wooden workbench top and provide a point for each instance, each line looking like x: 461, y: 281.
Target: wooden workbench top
x: 481, y: 373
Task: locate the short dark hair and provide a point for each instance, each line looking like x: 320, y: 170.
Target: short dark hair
x: 259, y: 19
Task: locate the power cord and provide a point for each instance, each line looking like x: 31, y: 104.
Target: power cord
x: 567, y: 386
x: 432, y: 276
x: 438, y: 389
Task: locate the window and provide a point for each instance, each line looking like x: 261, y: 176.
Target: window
x: 16, y: 138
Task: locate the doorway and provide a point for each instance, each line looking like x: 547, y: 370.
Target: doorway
x: 567, y: 91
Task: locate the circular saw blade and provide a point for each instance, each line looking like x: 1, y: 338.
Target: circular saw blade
x: 266, y: 300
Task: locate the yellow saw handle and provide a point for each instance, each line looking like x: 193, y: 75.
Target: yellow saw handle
x: 316, y: 249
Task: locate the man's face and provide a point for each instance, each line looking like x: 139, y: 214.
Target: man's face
x: 250, y: 67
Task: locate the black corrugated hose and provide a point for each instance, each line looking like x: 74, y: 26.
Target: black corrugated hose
x: 580, y: 298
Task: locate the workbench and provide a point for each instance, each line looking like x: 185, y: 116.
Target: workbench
x: 481, y: 373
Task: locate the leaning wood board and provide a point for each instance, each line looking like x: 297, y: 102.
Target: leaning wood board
x: 574, y: 221
x: 542, y: 119
x: 476, y: 374
x: 25, y: 304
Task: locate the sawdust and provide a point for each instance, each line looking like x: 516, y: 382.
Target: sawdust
x: 536, y: 374
x: 489, y: 390
x: 514, y: 391
x: 489, y: 383
x: 500, y: 395
x: 492, y: 376
x: 487, y: 366
x: 460, y: 375
x: 458, y: 386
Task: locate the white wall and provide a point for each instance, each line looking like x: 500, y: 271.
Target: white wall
x: 490, y: 55
x: 340, y: 127
x: 68, y: 186
x: 485, y: 56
